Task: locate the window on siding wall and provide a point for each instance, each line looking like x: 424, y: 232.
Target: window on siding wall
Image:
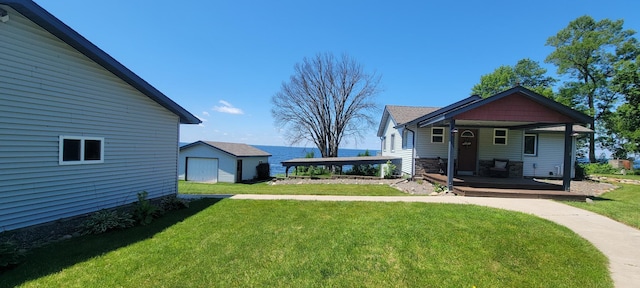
x: 80, y: 150
x: 393, y: 144
x: 407, y: 139
x: 384, y: 143
x: 530, y: 144
x: 500, y: 136
x: 437, y: 135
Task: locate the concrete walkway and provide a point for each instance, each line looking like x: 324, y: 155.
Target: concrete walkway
x: 619, y: 242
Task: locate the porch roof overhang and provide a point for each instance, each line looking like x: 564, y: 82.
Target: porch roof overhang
x: 359, y: 160
x: 517, y: 107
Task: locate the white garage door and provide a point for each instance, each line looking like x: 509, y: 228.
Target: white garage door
x: 202, y: 169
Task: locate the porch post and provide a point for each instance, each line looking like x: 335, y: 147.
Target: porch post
x: 450, y: 156
x: 566, y: 174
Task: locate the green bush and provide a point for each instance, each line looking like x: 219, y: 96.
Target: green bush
x: 598, y: 168
x: 437, y: 187
x: 389, y: 170
x: 144, y: 211
x: 173, y: 203
x: 106, y: 220
x: 364, y: 170
x: 263, y: 171
x: 10, y: 255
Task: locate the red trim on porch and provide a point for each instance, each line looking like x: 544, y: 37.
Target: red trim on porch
x: 515, y: 107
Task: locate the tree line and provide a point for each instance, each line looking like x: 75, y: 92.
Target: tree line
x: 598, y: 62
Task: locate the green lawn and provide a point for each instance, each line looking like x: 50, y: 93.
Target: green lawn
x: 622, y: 205
x: 632, y: 177
x: 188, y: 187
x: 249, y: 243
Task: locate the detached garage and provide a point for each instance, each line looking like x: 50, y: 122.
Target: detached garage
x: 208, y: 161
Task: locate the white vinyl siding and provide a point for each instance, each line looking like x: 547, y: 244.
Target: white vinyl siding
x: 407, y: 139
x: 250, y: 166
x: 549, y: 161
x: 424, y: 146
x: 49, y: 89
x: 512, y: 150
x: 405, y: 166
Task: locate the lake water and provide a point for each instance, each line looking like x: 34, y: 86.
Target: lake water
x: 283, y: 153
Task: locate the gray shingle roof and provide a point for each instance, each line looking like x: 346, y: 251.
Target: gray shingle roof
x: 404, y: 114
x: 236, y: 149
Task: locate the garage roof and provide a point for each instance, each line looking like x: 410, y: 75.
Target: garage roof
x: 235, y: 149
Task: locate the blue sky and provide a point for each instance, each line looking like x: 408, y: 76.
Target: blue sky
x: 224, y: 60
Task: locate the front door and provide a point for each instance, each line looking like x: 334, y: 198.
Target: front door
x: 467, y: 151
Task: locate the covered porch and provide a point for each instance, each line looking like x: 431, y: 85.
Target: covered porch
x: 339, y: 161
x: 512, y: 112
x: 477, y: 186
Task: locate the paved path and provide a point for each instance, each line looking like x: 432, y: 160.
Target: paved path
x: 619, y: 242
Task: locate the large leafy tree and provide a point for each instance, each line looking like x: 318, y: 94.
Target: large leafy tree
x: 626, y: 119
x: 326, y: 101
x: 586, y: 52
x: 526, y: 72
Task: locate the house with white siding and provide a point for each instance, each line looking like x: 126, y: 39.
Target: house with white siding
x: 79, y: 132
x: 209, y: 161
x: 534, y: 135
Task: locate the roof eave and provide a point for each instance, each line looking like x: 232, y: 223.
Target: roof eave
x: 442, y: 111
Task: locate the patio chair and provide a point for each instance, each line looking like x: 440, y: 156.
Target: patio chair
x: 500, y: 168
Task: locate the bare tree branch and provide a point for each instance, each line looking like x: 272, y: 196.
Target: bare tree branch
x: 326, y: 101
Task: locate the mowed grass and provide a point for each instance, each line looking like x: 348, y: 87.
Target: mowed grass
x: 622, y: 204
x: 188, y: 187
x: 249, y: 243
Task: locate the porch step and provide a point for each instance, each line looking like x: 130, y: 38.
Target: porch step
x: 519, y: 193
x: 505, y: 188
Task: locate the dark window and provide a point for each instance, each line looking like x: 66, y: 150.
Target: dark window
x: 92, y: 149
x: 500, y: 136
x: 71, y: 150
x: 437, y: 135
x: 393, y: 143
x: 530, y: 144
x: 81, y: 150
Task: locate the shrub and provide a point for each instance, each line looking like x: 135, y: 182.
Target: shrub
x: 598, y: 168
x: 10, y: 255
x: 106, y: 220
x: 144, y: 211
x: 173, y: 203
x: 389, y: 170
x: 263, y: 171
x: 437, y: 187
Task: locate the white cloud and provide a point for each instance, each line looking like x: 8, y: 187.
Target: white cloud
x: 205, y: 113
x: 227, y: 108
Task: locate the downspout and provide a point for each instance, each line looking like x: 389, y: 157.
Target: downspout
x: 413, y: 152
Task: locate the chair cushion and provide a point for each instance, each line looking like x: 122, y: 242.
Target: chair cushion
x: 500, y: 164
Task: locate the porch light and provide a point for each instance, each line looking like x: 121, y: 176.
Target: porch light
x: 454, y: 131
